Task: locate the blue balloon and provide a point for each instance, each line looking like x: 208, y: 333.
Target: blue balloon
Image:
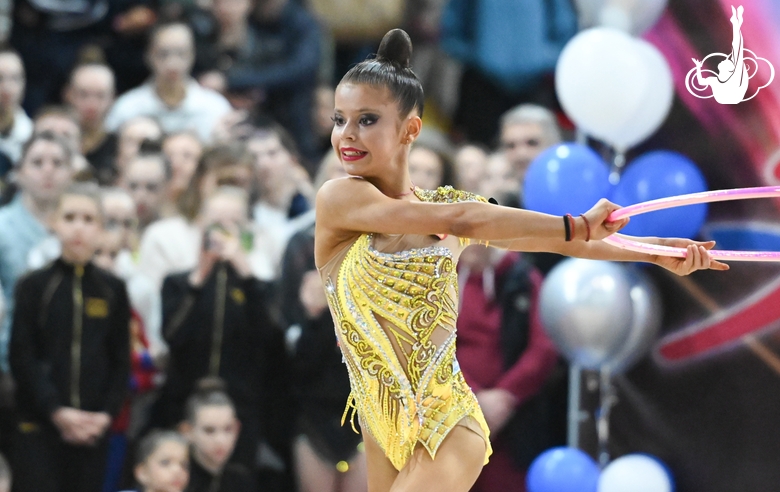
x: 563, y: 469
x: 566, y: 178
x: 661, y: 174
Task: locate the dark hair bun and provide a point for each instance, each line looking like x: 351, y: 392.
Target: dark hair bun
x: 210, y: 385
x: 396, y: 47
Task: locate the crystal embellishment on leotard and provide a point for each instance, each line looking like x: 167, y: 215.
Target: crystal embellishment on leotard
x: 395, y: 319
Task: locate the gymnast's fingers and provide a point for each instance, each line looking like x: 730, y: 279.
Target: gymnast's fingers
x: 717, y: 265
x: 705, y: 257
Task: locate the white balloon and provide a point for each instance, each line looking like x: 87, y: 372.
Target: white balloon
x: 632, y: 16
x: 614, y: 87
x: 635, y: 473
x: 656, y: 101
x: 600, y: 78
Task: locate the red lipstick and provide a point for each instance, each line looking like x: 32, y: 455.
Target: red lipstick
x: 352, y: 154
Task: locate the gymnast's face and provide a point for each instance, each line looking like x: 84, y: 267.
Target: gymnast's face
x: 368, y: 132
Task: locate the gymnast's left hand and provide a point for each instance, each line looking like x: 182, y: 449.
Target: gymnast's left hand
x: 697, y: 257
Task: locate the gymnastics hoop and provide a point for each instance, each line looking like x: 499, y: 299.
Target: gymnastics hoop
x: 626, y: 242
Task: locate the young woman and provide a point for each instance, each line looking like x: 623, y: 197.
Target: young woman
x: 386, y: 252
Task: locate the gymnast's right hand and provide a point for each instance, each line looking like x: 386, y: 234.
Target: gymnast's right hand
x: 597, y: 220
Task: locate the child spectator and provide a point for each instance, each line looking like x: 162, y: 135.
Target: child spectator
x: 45, y: 171
x: 120, y: 214
x: 70, y: 357
x: 177, y: 101
x: 145, y: 178
x: 63, y: 122
x: 183, y: 151
x: 15, y: 126
x: 90, y: 92
x: 212, y: 429
x: 163, y: 462
x: 470, y: 164
x: 429, y: 168
x: 121, y: 221
x: 131, y: 135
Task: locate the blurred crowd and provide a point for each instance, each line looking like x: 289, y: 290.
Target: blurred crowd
x: 201, y: 128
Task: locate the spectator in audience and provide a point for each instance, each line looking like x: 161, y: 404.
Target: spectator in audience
x: 121, y: 219
x: 470, y: 164
x: 90, y: 92
x: 500, y: 181
x: 183, y: 151
x: 44, y: 172
x: 63, y: 122
x: 278, y: 60
x: 132, y: 133
x: 213, y: 428
x: 171, y: 96
x: 479, y: 34
x: 15, y: 126
x: 526, y: 131
x: 69, y: 354
x: 120, y: 215
x: 163, y: 462
x: 428, y: 168
x: 216, y: 321
x: 50, y: 36
x: 172, y: 245
x: 507, y: 359
x: 146, y: 178
x: 144, y: 362
x: 322, y: 114
x: 328, y: 456
x: 284, y: 189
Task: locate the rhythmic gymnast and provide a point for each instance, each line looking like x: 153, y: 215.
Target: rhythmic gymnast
x: 386, y: 251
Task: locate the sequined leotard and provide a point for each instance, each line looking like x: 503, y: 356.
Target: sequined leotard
x: 394, y: 302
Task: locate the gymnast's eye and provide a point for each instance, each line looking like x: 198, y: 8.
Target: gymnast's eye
x: 368, y: 119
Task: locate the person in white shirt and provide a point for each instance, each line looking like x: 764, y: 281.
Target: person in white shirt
x: 15, y: 126
x: 171, y: 96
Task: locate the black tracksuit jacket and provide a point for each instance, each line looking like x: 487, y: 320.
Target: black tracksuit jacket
x: 70, y: 341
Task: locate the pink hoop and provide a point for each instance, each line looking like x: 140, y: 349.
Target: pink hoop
x: 626, y: 242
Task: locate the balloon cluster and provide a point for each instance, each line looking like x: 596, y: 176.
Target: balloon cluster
x: 570, y: 470
x: 571, y: 178
x: 615, y: 87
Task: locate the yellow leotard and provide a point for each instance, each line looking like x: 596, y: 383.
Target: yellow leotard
x: 395, y: 308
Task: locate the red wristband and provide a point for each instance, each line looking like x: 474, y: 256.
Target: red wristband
x: 587, y: 224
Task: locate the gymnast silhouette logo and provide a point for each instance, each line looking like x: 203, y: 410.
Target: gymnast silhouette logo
x: 730, y: 84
